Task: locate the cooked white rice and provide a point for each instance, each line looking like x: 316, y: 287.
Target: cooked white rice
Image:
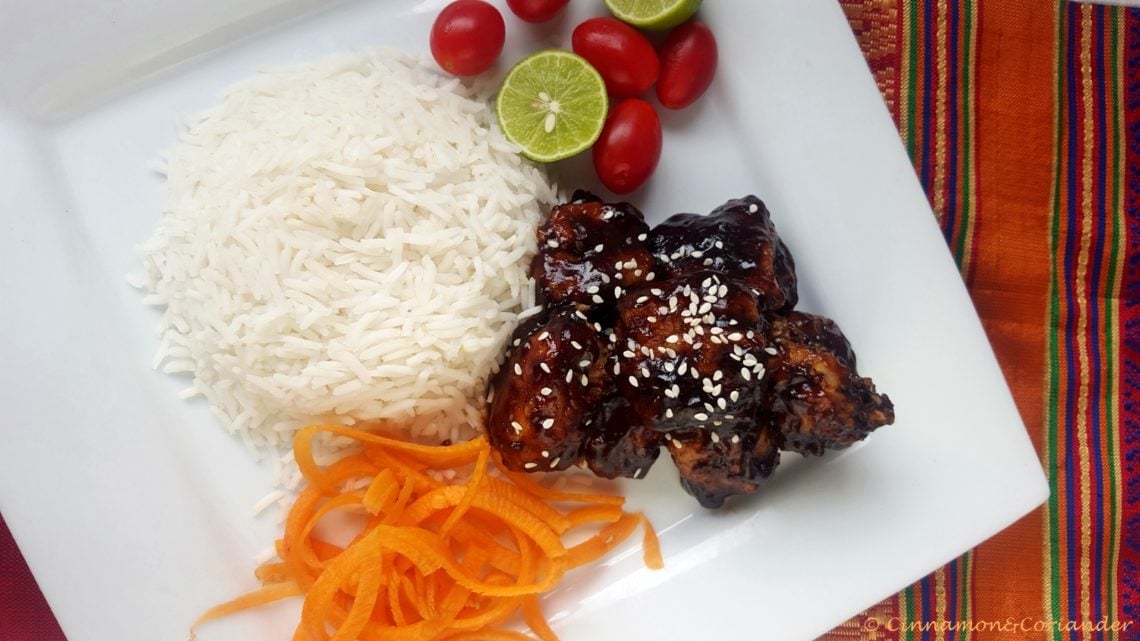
x: 344, y: 240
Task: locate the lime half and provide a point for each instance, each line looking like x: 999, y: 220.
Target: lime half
x: 654, y: 15
x: 552, y: 104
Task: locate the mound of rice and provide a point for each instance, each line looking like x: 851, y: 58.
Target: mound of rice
x: 344, y: 240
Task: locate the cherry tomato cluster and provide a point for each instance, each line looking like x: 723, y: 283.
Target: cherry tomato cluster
x: 468, y: 36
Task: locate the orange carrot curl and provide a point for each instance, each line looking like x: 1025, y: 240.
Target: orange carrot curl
x: 432, y: 561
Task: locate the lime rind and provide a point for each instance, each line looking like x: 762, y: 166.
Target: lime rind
x: 544, y: 78
x: 654, y: 15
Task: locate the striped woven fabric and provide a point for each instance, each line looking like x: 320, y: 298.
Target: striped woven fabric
x: 1022, y: 118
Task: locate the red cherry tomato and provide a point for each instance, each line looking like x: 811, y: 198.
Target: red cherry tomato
x: 467, y: 37
x: 620, y: 53
x: 536, y: 10
x: 688, y: 64
x: 627, y: 152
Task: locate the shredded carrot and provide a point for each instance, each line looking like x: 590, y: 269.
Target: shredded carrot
x: 432, y: 560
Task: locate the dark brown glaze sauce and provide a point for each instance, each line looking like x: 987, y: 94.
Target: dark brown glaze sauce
x: 737, y: 239
x: 682, y: 336
x: 817, y: 401
x: 590, y: 252
x: 690, y: 352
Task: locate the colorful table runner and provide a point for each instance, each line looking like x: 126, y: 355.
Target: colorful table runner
x: 1022, y: 118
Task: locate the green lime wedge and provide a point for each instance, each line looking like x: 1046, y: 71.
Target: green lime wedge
x: 655, y: 15
x: 552, y: 104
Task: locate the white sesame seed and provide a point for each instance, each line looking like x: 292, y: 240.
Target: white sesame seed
x: 593, y: 289
x: 746, y: 374
x: 569, y: 376
x: 518, y: 370
x: 548, y: 423
x: 545, y: 367
x: 714, y: 437
x: 718, y: 244
x: 517, y: 342
x: 637, y: 272
x: 707, y: 262
x: 575, y: 344
x: 709, y: 407
x: 517, y: 426
x: 585, y: 381
x: 545, y: 453
x: 585, y: 363
x: 651, y: 319
x: 735, y: 336
x: 553, y: 244
x: 771, y: 350
x: 644, y: 373
x: 650, y: 276
x: 701, y: 416
x: 598, y: 248
x: 697, y: 254
x: 637, y: 473
x: 491, y: 395
x: 554, y: 463
x: 668, y: 413
x: 617, y: 369
x: 735, y: 396
x: 678, y: 444
x: 642, y: 237
x: 671, y: 338
x: 618, y: 291
x: 695, y: 373
x: 617, y: 265
x: 530, y: 466
x: 753, y: 208
x: 633, y: 381
x: 717, y: 375
x: 597, y: 299
x: 735, y: 438
x: 682, y: 368
x: 642, y: 299
x: 546, y: 391
x: 721, y: 403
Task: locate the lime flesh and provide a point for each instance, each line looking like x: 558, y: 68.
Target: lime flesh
x: 552, y: 105
x: 654, y: 15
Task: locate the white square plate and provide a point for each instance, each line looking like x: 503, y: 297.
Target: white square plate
x: 133, y: 508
